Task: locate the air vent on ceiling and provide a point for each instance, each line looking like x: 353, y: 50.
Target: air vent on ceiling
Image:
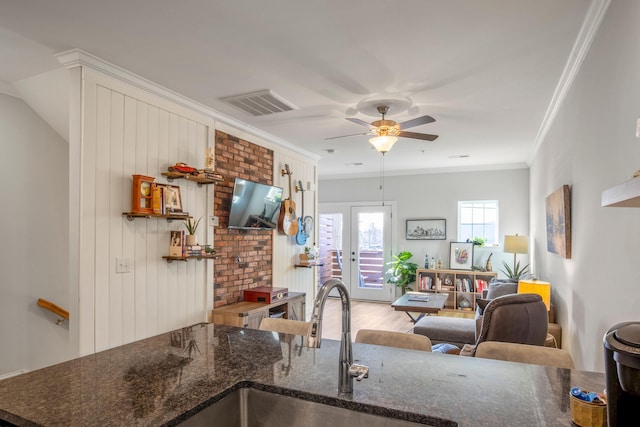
x: 259, y: 103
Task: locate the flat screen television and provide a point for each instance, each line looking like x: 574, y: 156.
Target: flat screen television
x: 254, y: 206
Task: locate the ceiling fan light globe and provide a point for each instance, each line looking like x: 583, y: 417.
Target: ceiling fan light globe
x: 383, y: 143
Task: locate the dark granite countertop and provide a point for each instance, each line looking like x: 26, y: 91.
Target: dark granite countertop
x: 164, y: 379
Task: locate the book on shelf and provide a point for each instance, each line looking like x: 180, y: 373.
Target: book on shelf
x: 425, y: 283
x: 210, y: 174
x: 165, y: 200
x: 193, y: 250
x: 184, y: 214
x: 308, y: 260
x: 481, y: 285
x: 189, y: 252
x: 157, y: 202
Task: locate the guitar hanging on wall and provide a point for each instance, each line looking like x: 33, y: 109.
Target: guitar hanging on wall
x: 302, y: 235
x: 287, y: 223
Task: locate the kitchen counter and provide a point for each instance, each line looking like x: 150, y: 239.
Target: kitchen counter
x: 167, y: 378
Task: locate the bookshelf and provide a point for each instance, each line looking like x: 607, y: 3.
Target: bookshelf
x: 464, y: 287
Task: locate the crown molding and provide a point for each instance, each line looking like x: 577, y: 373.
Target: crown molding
x: 587, y: 34
x: 79, y: 58
x: 413, y: 172
x: 9, y: 89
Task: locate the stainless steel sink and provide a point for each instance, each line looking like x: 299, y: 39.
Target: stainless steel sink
x: 249, y: 407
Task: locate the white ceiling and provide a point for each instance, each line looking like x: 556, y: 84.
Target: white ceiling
x: 485, y: 70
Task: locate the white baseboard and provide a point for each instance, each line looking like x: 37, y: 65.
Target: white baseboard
x: 12, y: 374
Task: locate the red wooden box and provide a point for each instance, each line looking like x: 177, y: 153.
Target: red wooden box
x: 265, y: 294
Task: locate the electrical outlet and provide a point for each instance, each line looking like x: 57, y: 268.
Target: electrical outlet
x: 638, y: 128
x: 123, y: 265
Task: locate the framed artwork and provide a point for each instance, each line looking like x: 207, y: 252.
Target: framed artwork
x: 427, y: 229
x: 175, y: 246
x: 461, y: 257
x: 558, y: 210
x: 172, y: 200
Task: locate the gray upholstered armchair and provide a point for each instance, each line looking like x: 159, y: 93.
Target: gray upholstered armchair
x: 514, y: 318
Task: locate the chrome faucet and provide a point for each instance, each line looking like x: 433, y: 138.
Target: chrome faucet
x: 347, y: 370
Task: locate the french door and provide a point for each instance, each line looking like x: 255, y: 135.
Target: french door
x: 355, y: 246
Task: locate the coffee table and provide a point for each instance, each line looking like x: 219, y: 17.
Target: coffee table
x: 415, y: 302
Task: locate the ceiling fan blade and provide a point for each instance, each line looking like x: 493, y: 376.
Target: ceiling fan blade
x: 359, y: 122
x: 345, y: 136
x: 416, y: 135
x: 417, y: 121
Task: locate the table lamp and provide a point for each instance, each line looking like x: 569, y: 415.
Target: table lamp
x: 516, y: 245
x: 536, y: 287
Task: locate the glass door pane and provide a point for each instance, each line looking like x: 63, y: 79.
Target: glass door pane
x: 330, y: 246
x: 369, y: 252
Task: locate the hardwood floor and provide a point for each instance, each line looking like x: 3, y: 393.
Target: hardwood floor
x: 364, y: 315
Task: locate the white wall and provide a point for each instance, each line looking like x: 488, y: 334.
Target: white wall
x: 34, y: 253
x: 591, y: 146
x: 129, y: 131
x: 437, y: 196
x: 285, y: 249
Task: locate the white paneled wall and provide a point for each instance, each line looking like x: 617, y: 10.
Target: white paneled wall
x: 286, y: 251
x: 128, y: 131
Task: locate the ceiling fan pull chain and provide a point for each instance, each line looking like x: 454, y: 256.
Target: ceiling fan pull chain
x: 382, y: 177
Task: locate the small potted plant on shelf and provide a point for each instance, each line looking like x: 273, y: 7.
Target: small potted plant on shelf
x: 192, y: 227
x: 402, y: 272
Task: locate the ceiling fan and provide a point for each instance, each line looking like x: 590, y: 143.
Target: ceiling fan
x: 386, y: 132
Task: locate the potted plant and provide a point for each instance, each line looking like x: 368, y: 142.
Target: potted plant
x: 192, y: 227
x: 516, y: 272
x: 478, y: 241
x: 402, y: 272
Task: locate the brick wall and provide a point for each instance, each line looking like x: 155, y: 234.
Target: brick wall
x: 239, y: 158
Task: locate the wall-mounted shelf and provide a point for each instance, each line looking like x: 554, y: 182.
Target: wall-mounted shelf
x: 625, y: 195
x: 170, y: 217
x: 308, y: 266
x: 170, y: 259
x: 198, y: 179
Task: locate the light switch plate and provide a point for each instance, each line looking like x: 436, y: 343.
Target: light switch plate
x: 123, y: 265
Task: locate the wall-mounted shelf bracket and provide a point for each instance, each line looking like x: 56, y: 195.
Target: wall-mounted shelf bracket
x: 170, y: 259
x: 131, y: 216
x: 200, y: 180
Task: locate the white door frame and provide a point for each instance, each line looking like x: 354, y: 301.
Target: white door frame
x: 344, y: 208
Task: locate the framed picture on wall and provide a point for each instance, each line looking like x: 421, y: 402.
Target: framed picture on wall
x: 172, y: 200
x: 461, y: 257
x: 427, y: 229
x: 558, y: 213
